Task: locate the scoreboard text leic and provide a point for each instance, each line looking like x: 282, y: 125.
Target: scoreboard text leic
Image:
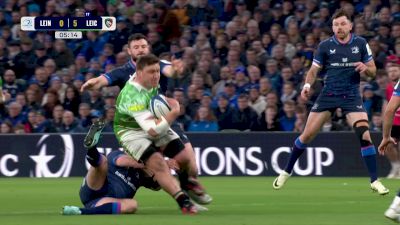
x: 42, y: 23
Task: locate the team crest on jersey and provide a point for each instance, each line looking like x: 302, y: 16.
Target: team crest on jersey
x: 344, y: 59
x: 355, y: 50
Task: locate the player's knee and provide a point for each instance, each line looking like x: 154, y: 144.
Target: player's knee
x: 157, y: 164
x: 360, y: 128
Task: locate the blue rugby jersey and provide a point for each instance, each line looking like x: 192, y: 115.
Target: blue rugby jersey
x: 337, y: 63
x: 123, y: 182
x: 120, y: 75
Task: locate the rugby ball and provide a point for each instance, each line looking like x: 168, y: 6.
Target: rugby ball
x: 159, y: 106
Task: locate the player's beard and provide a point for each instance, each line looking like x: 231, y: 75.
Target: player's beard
x: 342, y: 35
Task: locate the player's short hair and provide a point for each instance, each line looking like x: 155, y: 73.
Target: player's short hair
x: 340, y: 13
x: 146, y: 60
x: 136, y: 37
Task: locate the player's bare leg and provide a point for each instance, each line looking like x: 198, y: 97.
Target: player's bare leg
x: 188, y: 176
x: 392, y: 153
x: 314, y: 123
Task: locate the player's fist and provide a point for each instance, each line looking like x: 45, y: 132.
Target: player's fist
x: 384, y: 144
x: 305, y: 92
x: 174, y: 104
x: 360, y: 67
x: 178, y: 66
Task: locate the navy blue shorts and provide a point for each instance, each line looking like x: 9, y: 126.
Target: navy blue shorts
x: 90, y: 197
x: 330, y: 103
x: 178, y: 130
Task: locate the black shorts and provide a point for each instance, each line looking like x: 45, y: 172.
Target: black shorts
x: 348, y: 104
x: 178, y: 130
x: 395, y: 132
x: 90, y: 197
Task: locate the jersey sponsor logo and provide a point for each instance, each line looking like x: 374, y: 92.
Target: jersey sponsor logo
x: 137, y: 107
x: 355, y: 50
x: 359, y: 106
x: 332, y: 51
x: 368, y: 49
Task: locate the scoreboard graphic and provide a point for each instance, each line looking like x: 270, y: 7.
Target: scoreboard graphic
x: 68, y: 27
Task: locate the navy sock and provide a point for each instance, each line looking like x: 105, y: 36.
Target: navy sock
x: 298, y: 149
x: 369, y: 155
x: 93, y: 156
x: 108, y: 208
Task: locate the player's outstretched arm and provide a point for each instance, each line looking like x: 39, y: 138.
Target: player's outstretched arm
x: 94, y: 83
x: 391, y: 109
x: 176, y: 68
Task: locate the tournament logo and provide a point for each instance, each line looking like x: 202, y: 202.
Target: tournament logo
x: 108, y: 22
x: 47, y: 160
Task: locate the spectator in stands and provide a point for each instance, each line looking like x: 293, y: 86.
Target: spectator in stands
x: 137, y: 23
x: 245, y: 118
x: 203, y: 121
x: 62, y: 55
x: 225, y: 76
x: 85, y: 116
x: 372, y: 103
x: 40, y: 55
x: 15, y: 115
x: 70, y: 124
x: 72, y: 100
x: 24, y: 61
x: 50, y: 100
x: 6, y: 127
x: 288, y: 119
x: 11, y: 85
x: 256, y: 101
x: 376, y: 122
x: 268, y: 121
x: 224, y: 112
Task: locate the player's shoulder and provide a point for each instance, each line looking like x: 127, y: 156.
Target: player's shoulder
x: 123, y: 70
x: 359, y: 40
x: 327, y: 43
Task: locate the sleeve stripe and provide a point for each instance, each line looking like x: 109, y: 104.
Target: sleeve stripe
x: 396, y: 93
x: 368, y: 59
x: 316, y: 64
x: 108, y: 78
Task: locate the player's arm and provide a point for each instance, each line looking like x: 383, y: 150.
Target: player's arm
x: 124, y: 160
x: 172, y: 69
x: 154, y: 126
x: 310, y: 79
x: 95, y: 83
x: 367, y: 66
x: 391, y: 109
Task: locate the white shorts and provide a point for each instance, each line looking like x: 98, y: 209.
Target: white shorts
x: 136, y: 142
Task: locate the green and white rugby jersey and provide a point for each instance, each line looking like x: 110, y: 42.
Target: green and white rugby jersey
x: 132, y: 99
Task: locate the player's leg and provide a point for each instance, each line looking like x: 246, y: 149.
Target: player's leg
x: 313, y: 126
x: 141, y: 148
x: 393, y: 212
x: 105, y: 205
x: 368, y: 151
x: 188, y: 169
x: 392, y: 154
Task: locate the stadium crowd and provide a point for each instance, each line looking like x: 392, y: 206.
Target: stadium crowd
x: 244, y: 61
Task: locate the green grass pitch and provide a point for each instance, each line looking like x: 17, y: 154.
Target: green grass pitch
x: 237, y: 201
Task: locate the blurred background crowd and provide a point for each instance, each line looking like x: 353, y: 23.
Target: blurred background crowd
x: 245, y: 61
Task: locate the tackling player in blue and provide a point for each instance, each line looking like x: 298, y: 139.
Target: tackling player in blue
x: 139, y: 46
x: 342, y: 58
x: 111, y: 183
